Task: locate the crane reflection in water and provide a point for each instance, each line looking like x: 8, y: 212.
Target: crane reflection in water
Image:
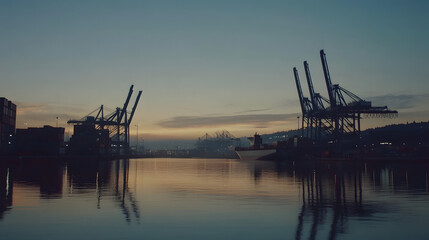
x: 197, y: 197
x: 109, y: 179
x: 332, y: 193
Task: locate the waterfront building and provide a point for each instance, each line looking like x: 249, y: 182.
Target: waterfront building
x: 87, y: 139
x: 40, y: 141
x: 7, y: 125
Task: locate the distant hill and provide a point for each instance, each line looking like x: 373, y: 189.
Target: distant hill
x: 169, y: 144
x: 409, y: 132
x: 396, y: 133
x: 279, y: 136
x: 399, y: 133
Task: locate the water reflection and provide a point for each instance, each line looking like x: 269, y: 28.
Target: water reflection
x: 320, y: 200
x: 331, y: 198
x: 6, y: 189
x: 47, y: 177
x: 53, y: 179
x: 107, y: 178
x: 332, y: 192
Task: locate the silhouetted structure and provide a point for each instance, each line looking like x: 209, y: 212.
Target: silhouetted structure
x: 88, y: 139
x: 222, y: 145
x: 397, y: 140
x: 342, y: 116
x: 7, y: 125
x: 40, y: 141
x: 117, y: 123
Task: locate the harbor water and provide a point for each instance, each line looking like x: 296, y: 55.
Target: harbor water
x: 213, y: 199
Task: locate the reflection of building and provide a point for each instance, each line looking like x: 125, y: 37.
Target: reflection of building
x: 40, y: 141
x: 87, y: 139
x: 47, y: 176
x: 7, y: 125
x: 51, y: 179
x: 5, y: 190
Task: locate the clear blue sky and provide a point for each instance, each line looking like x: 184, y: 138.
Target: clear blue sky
x: 204, y: 66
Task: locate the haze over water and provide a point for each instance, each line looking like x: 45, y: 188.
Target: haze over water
x: 208, y: 66
x: 213, y: 199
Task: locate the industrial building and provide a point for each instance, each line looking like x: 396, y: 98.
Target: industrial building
x: 40, y: 141
x: 7, y: 126
x: 87, y: 139
x: 221, y: 145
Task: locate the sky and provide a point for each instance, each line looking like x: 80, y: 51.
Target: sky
x: 207, y: 66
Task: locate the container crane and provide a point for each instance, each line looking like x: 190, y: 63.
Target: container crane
x: 319, y: 109
x: 117, y: 122
x: 343, y: 115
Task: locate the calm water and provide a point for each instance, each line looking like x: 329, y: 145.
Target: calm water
x: 213, y: 199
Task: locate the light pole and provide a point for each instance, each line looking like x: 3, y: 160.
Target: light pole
x: 298, y: 122
x: 57, y: 121
x: 137, y: 145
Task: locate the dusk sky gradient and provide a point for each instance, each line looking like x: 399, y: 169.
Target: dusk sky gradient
x: 205, y: 66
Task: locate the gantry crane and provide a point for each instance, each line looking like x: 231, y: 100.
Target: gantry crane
x: 319, y: 120
x: 117, y: 122
x: 342, y: 116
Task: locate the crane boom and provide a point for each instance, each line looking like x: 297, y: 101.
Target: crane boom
x: 134, y: 107
x: 329, y: 85
x: 124, y: 109
x: 310, y: 86
x: 300, y: 95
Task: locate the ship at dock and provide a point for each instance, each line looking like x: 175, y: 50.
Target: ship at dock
x: 257, y: 150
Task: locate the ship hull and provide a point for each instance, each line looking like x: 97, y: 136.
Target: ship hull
x: 256, y: 154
